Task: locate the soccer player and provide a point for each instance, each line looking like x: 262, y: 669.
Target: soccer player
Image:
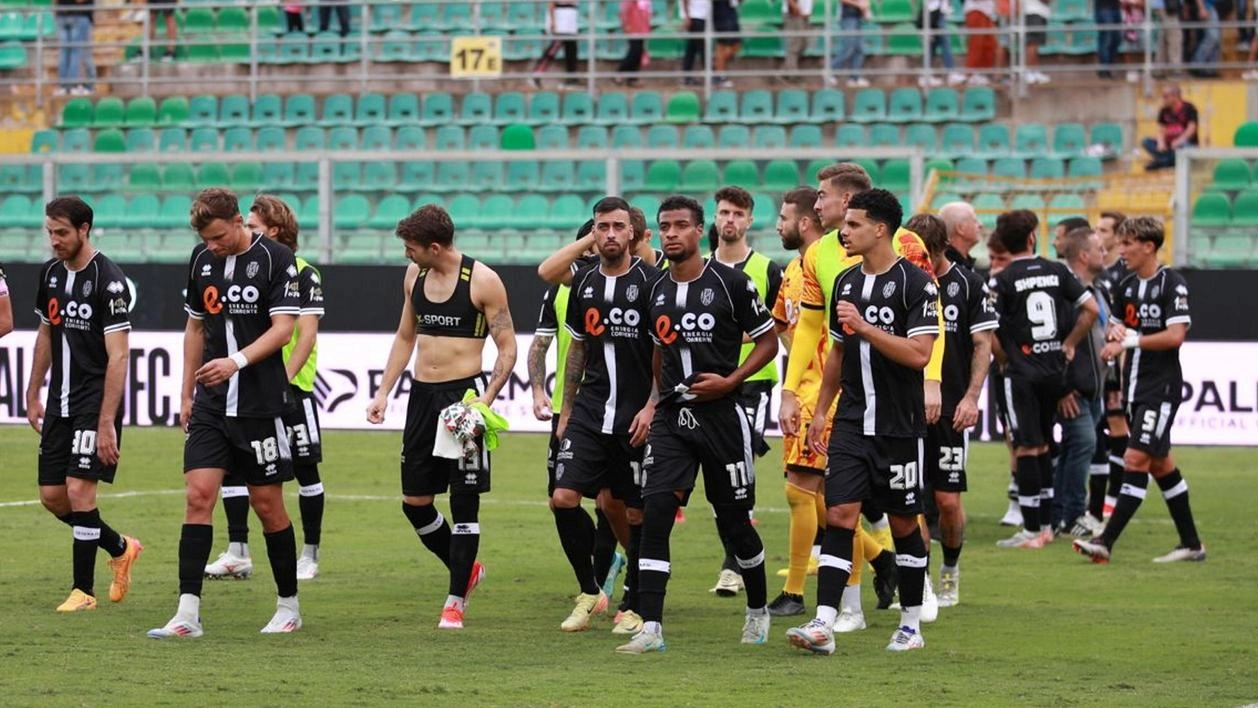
x: 450, y: 304
x: 700, y: 312
x: 83, y: 302
x: 1102, y: 501
x: 6, y: 305
x: 884, y: 320
x: 1153, y: 304
x: 608, y: 401
x: 734, y: 206
x: 243, y: 300
x: 969, y: 322
x: 964, y: 231
x: 274, y: 219
x: 1035, y: 299
x: 998, y: 258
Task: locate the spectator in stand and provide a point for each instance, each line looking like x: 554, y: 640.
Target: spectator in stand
x: 1108, y: 12
x: 725, y: 21
x: 849, y: 56
x: 694, y: 19
x: 341, y: 8
x: 1177, y: 127
x: 936, y: 14
x: 1169, y: 50
x: 293, y: 17
x: 635, y: 22
x: 1252, y: 74
x: 163, y: 13
x: 980, y: 54
x: 1206, y: 55
x: 795, y: 18
x: 76, y: 70
x: 561, y: 24
x: 1037, y: 14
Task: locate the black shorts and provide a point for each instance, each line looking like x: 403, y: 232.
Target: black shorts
x: 305, y: 438
x: 996, y: 394
x: 423, y: 473
x: 590, y: 461
x: 725, y: 19
x: 947, y: 452
x: 67, y: 448
x: 714, y: 436
x: 1032, y: 407
x: 254, y: 450
x: 1151, y: 427
x: 883, y: 470
x: 754, y: 397
x: 552, y: 451
x: 1036, y: 30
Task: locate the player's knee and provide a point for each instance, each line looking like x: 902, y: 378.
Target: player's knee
x: 634, y: 515
x: 82, y: 494
x: 903, y: 525
x: 844, y: 516
x: 54, y: 499
x: 1136, y: 461
x: 565, y: 499
x: 949, y: 505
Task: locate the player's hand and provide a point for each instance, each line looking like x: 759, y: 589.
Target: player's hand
x: 1068, y: 350
x: 1068, y: 406
x: 640, y: 426
x: 216, y: 372
x: 966, y: 414
x: 107, y: 444
x: 934, y: 401
x: 35, y: 414
x: 478, y: 399
x: 1115, y: 332
x: 709, y: 387
x: 788, y: 413
x: 541, y: 407
x: 1111, y: 351
x: 562, y: 426
x: 850, y: 317
x: 817, y: 440
x: 185, y: 413
x: 375, y: 411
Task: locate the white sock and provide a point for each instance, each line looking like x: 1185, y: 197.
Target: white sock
x: 816, y: 552
x: 652, y: 628
x: 189, y: 607
x: 851, y: 599
x: 827, y: 614
x: 911, y: 617
x: 881, y: 524
x: 455, y: 602
x: 310, y: 551
x: 287, y: 603
x: 947, y: 569
x: 240, y: 550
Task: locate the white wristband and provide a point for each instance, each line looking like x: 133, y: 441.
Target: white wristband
x: 240, y: 359
x: 1131, y: 340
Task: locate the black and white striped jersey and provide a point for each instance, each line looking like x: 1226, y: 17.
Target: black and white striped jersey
x: 1036, y: 301
x: 80, y: 308
x: 234, y: 298
x: 699, y: 324
x: 967, y: 310
x: 881, y: 397
x: 1148, y: 307
x: 611, y: 316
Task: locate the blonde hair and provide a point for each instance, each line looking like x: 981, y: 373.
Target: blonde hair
x: 213, y: 203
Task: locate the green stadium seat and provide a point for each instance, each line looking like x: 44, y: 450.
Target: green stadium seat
x: 378, y: 176
x: 1086, y: 166
x: 476, y: 109
x: 233, y: 110
x: 386, y: 17
x: 268, y: 110
x: 432, y: 49
x: 45, y: 141
x: 343, y: 138
x: 77, y: 113
x: 553, y: 137
x: 895, y: 176
x: 111, y: 140
x: 988, y: 206
x: 347, y: 175
x: 202, y: 111
x: 1048, y: 168
x: 1069, y: 140
x: 483, y: 137
x: 1030, y: 140
x: 238, y: 139
x: 942, y: 105
x: 510, y: 107
x: 76, y: 140
x: 110, y: 211
x: 1211, y: 210
x: 694, y: 136
x: 351, y: 211
x: 496, y: 213
x: 143, y: 178
x: 979, y: 104
x: 741, y: 173
x: 757, y: 107
x: 1232, y: 249
x: 212, y: 174
x: 13, y: 56
x: 172, y: 139
x: 993, y: 140
x: 884, y: 135
x: 663, y: 136
x: 309, y: 139
x: 1063, y: 206
x: 543, y: 109
x: 518, y: 137
x: 141, y: 112
x: 683, y: 107
x: 359, y: 248
x: 71, y: 178
x: 173, y: 212
x: 647, y: 108
x: 893, y: 11
x: 578, y: 108
x: 140, y: 140
x: 246, y: 177
x: 451, y: 177
x: 558, y: 176
x: 943, y: 198
x: 450, y: 138
x: 26, y: 178
x: 522, y: 172
x: 389, y: 211
x: 699, y: 176
x: 269, y: 139
x: 733, y: 136
x: 110, y: 112
x: 869, y: 106
x: 338, y: 110
x: 972, y: 166
x: 781, y: 176
x: 769, y: 136
x: 403, y: 109
x: 1082, y: 42
x: 1232, y: 174
x: 592, y: 137
x: 438, y: 109
x: 277, y: 175
x: 805, y: 136
x: 849, y: 135
x: 613, y: 109
x: 1072, y: 11
x: 663, y: 176
x: 633, y: 175
x: 904, y: 105
x: 142, y: 212
x: 1246, y: 135
x: 792, y: 107
x: 1009, y: 168
x: 1110, y: 135
x: 921, y: 135
x: 1245, y: 209
x: 1033, y: 202
x: 377, y: 137
x: 331, y: 48
x: 906, y: 41
x: 722, y: 108
x: 416, y: 176
x: 20, y: 211
x: 299, y: 110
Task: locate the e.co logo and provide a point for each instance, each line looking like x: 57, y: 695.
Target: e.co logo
x: 594, y: 322
x: 214, y: 303
x: 596, y: 325
x: 667, y: 331
x: 76, y: 310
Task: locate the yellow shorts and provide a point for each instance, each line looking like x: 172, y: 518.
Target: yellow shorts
x: 795, y: 451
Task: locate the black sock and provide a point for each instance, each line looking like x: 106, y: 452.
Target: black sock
x: 1129, y: 499
x: 1175, y: 492
x: 67, y: 519
x: 728, y: 562
x: 464, y: 540
x: 604, y: 546
x: 835, y: 566
x: 654, y: 563
x: 1117, y: 468
x: 194, y: 551
x: 111, y: 541
x: 236, y: 505
x: 1096, y: 494
x: 432, y: 529
x: 951, y: 554
x: 1046, y: 490
x: 86, y: 541
x: 1028, y: 479
x: 748, y: 554
x: 281, y: 549
x: 576, y: 535
x: 820, y: 536
x: 310, y: 502
x: 634, y: 551
x: 911, y: 561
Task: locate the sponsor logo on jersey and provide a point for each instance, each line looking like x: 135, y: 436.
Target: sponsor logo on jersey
x: 291, y: 270
x: 239, y: 299
x: 953, y: 289
x: 888, y: 290
x: 631, y: 293
x: 707, y: 296
x: 74, y: 314
x: 205, y: 269
x: 116, y: 287
x: 433, y: 320
x: 693, y: 327
x: 87, y: 288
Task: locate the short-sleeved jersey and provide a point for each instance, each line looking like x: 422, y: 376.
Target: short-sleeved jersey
x: 80, y: 308
x: 967, y: 310
x: 827, y: 258
x: 1035, y: 300
x: 311, y: 284
x: 699, y: 324
x: 881, y: 397
x: 1111, y: 277
x: 1148, y: 307
x: 786, y: 314
x: 4, y: 284
x: 554, y: 311
x: 611, y: 316
x: 234, y: 298
x: 767, y: 276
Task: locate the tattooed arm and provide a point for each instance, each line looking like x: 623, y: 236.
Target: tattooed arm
x: 490, y: 295
x: 573, y: 372
x: 537, y: 375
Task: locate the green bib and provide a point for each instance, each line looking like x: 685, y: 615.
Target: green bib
x: 562, y: 339
x: 757, y: 268
x: 305, y: 378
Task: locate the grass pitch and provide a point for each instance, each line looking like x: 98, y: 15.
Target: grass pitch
x: 1034, y: 627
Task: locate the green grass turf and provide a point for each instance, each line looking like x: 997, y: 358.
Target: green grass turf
x: 1039, y: 628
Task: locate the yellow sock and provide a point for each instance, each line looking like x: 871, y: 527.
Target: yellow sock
x: 821, y: 507
x: 803, y: 529
x: 858, y: 559
x: 870, y: 548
